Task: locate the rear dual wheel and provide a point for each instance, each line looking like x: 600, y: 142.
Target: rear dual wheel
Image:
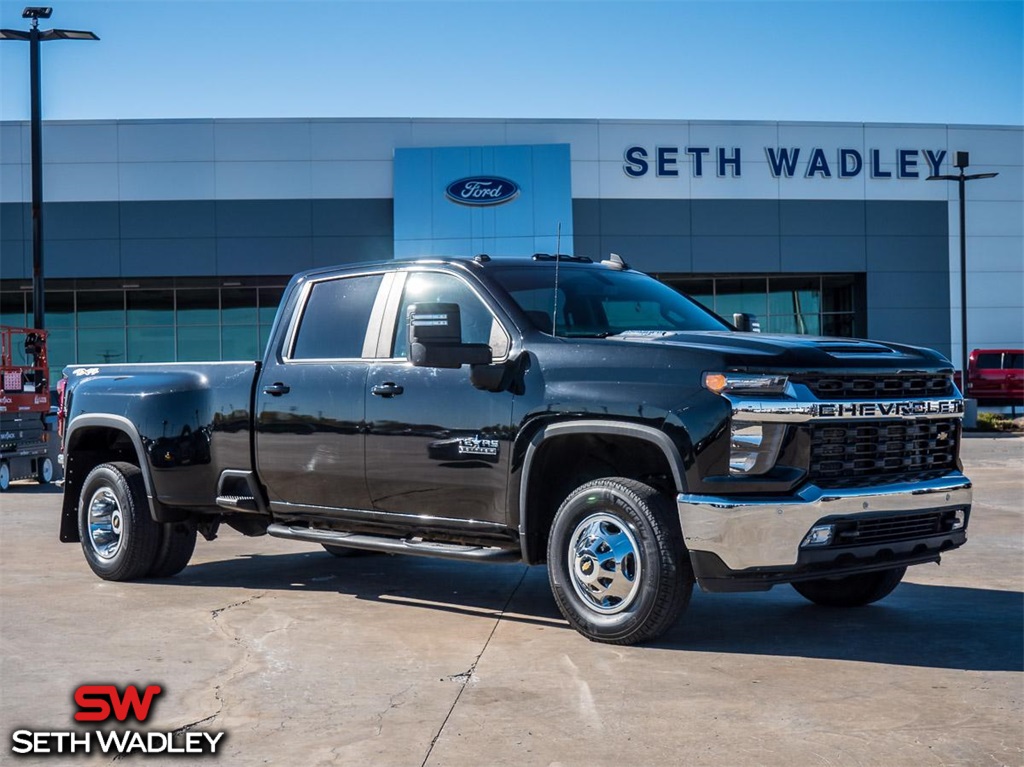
x: 120, y: 540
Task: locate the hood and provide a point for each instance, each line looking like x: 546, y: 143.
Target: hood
x: 792, y: 352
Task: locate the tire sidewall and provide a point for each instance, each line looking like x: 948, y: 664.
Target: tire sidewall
x: 139, y: 534
x: 583, y: 503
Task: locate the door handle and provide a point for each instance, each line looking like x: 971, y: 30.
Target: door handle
x: 387, y: 390
x: 277, y: 389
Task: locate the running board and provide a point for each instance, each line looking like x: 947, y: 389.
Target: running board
x: 396, y: 545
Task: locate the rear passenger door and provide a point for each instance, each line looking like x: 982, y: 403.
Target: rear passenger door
x: 310, y: 397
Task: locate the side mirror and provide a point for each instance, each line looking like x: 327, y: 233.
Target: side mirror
x: 746, y: 323
x: 435, y: 338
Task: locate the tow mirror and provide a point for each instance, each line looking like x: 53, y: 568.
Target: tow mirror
x: 746, y: 323
x: 435, y: 338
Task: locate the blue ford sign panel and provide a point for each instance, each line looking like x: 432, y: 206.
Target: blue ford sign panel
x: 449, y: 200
x: 482, y: 190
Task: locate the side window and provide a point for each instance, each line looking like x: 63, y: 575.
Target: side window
x: 478, y: 324
x: 334, y: 320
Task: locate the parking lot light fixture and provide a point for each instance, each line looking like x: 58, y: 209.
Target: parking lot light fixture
x: 961, y: 160
x: 34, y: 36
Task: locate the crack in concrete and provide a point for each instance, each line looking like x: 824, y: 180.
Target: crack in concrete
x: 464, y: 678
x: 218, y: 689
x: 391, y: 704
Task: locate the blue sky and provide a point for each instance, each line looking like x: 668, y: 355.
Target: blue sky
x: 924, y: 61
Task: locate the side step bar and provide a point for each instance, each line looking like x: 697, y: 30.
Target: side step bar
x: 396, y: 545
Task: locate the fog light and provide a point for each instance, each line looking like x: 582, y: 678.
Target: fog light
x: 959, y: 519
x: 820, y: 535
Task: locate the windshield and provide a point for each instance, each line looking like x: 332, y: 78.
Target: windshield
x: 595, y: 302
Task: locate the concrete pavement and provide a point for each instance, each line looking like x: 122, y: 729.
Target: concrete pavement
x: 305, y: 659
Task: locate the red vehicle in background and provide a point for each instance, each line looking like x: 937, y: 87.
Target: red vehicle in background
x: 24, y: 406
x: 996, y: 376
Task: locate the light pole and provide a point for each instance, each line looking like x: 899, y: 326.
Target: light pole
x: 961, y: 160
x: 34, y: 36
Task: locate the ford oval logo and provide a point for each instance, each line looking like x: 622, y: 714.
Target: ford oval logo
x: 482, y: 190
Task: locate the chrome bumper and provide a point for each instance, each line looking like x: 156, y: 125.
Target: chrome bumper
x: 767, y: 532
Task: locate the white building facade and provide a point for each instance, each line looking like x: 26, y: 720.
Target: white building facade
x: 173, y: 239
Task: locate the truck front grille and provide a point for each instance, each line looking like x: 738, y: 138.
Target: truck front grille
x: 877, y: 387
x: 871, y: 452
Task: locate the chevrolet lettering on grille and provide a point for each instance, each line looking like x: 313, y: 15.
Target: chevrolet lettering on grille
x: 890, y: 409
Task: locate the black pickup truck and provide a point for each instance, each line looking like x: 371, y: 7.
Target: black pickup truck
x: 530, y: 410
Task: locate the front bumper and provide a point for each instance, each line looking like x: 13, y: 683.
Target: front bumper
x: 758, y: 540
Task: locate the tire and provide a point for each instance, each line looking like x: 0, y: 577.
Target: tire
x: 617, y: 564
x: 44, y: 471
x: 177, y: 543
x: 5, y: 476
x: 851, y: 590
x: 119, y: 537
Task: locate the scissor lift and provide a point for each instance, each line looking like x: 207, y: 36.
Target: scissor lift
x: 25, y: 428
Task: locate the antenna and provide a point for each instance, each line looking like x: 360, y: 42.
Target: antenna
x: 558, y: 258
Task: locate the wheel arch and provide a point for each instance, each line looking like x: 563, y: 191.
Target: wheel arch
x: 535, y: 501
x: 91, y: 440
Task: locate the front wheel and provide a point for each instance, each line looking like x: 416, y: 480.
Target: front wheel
x: 5, y: 476
x: 44, y: 471
x: 851, y: 590
x: 119, y: 537
x: 617, y: 564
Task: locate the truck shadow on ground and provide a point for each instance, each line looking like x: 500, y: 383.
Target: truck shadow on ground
x: 927, y: 626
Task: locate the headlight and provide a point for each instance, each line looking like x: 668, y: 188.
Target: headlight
x: 754, y: 448
x: 745, y: 383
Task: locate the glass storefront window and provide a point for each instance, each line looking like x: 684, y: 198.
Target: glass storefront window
x: 240, y: 342
x: 238, y: 306
x: 198, y: 307
x: 101, y: 308
x: 151, y: 344
x: 60, y: 351
x: 842, y: 325
x: 12, y: 308
x: 804, y: 304
x: 802, y: 324
x: 743, y: 295
x: 100, y: 345
x: 60, y: 310
x: 198, y: 343
x: 269, y: 298
x: 151, y: 307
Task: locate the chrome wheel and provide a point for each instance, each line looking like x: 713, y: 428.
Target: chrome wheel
x: 604, y: 563
x: 106, y: 523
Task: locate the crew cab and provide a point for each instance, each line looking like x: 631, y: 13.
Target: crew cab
x: 538, y: 410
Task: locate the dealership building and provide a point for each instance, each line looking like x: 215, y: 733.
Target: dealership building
x: 173, y: 239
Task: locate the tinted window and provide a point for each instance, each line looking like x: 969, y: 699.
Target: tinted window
x: 334, y: 321
x: 593, y: 301
x: 478, y: 324
x: 1014, y: 361
x: 990, y: 360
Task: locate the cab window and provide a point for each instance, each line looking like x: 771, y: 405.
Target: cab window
x: 479, y: 326
x: 334, y: 321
